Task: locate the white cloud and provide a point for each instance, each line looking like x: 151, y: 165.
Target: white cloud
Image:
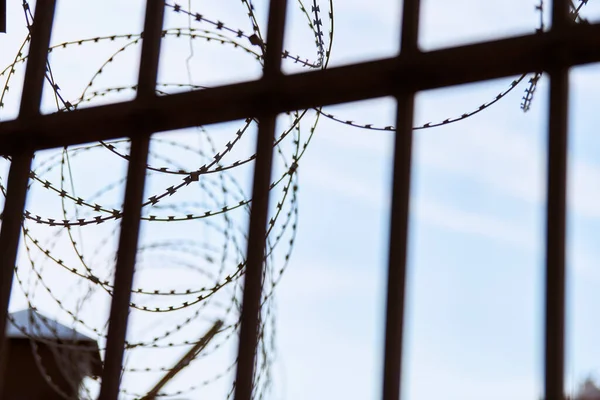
x: 478, y: 224
x: 424, y: 209
x: 507, y: 162
x: 324, y: 281
x: 512, y: 165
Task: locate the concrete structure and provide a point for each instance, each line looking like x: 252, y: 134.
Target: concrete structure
x: 588, y: 391
x: 45, y: 358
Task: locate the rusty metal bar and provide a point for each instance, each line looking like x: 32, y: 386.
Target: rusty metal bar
x: 556, y: 210
x: 250, y: 317
x: 2, y: 16
x: 579, y: 44
x: 560, y: 14
x: 555, y: 237
x: 398, y: 241
x: 18, y: 176
x: 409, y: 39
x: 134, y: 193
x: 184, y: 361
x: 398, y: 249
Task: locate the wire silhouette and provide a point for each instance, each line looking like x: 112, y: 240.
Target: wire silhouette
x: 71, y: 239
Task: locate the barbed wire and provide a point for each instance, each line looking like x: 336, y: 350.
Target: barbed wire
x: 202, y: 185
x: 69, y: 199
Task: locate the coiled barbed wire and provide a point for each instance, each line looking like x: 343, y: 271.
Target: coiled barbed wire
x: 77, y: 243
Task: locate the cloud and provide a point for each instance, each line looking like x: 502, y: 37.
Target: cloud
x: 424, y: 209
x: 508, y: 162
x: 459, y: 220
x: 511, y: 165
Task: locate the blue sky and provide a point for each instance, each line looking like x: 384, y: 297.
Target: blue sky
x: 474, y: 320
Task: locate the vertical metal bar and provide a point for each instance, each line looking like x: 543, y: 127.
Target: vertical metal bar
x: 134, y: 192
x: 409, y: 40
x: 560, y: 14
x: 556, y: 216
x: 258, y: 217
x: 555, y: 237
x: 20, y: 166
x: 3, y: 16
x: 398, y: 246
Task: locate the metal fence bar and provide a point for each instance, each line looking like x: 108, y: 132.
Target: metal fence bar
x: 556, y: 214
x: 565, y: 45
x: 398, y: 241
x: 3, y: 16
x: 560, y: 14
x: 184, y: 361
x: 18, y: 176
x: 250, y: 317
x: 555, y: 237
x: 428, y: 70
x: 409, y: 39
x: 134, y: 192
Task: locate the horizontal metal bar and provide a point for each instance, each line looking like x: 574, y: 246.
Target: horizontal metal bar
x: 578, y: 44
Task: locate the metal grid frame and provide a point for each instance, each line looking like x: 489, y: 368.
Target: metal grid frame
x: 566, y: 44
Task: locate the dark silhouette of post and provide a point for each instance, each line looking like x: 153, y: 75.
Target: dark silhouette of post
x: 184, y: 362
x: 45, y: 359
x: 3, y: 16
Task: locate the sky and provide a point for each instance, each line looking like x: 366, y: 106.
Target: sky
x: 475, y: 280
